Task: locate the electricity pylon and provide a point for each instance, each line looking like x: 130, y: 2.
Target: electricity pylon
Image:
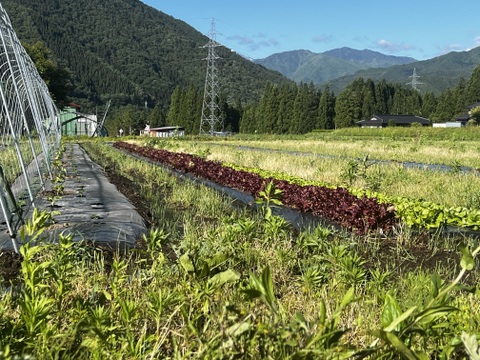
x: 414, y: 81
x: 211, y: 119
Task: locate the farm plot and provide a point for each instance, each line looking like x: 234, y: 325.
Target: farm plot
x: 212, y: 281
x: 450, y: 147
x: 423, y: 198
x: 355, y: 167
x: 406, y: 244
x: 358, y: 214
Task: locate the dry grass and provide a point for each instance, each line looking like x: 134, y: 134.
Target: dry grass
x: 443, y: 152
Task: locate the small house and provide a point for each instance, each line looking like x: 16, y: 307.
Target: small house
x: 384, y: 120
x: 164, y: 131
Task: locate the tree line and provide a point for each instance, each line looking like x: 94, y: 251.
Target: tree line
x: 300, y: 108
x: 287, y: 108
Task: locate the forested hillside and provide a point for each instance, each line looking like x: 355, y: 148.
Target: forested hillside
x: 436, y: 75
x: 340, y: 67
x: 134, y: 55
x: 130, y: 53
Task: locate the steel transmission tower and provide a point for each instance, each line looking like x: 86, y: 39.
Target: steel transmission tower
x: 414, y: 81
x: 211, y: 120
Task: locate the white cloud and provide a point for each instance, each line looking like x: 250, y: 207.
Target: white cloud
x: 392, y: 47
x: 255, y: 42
x: 477, y: 40
x: 449, y: 48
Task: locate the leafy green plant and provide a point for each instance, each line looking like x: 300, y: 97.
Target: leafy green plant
x: 268, y: 197
x: 471, y: 345
x: 155, y: 239
x: 299, y: 338
x: 350, y: 173
x: 406, y: 332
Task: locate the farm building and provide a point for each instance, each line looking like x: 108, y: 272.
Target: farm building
x: 384, y: 120
x: 165, y: 131
x: 75, y: 123
x: 463, y: 119
x: 448, y: 124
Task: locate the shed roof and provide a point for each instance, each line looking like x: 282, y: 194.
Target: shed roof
x: 463, y: 117
x: 474, y: 105
x: 167, y: 128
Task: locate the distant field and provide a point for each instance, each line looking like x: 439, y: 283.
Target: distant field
x: 349, y: 158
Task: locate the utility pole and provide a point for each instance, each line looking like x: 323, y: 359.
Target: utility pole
x: 211, y: 119
x: 414, y: 81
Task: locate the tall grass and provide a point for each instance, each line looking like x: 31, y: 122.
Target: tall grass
x: 216, y: 282
x: 449, y: 188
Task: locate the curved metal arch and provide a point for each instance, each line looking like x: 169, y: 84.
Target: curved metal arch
x: 29, y: 127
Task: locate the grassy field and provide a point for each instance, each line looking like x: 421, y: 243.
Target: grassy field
x: 220, y: 282
x: 353, y: 162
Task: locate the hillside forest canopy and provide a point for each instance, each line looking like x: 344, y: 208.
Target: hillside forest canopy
x: 120, y: 67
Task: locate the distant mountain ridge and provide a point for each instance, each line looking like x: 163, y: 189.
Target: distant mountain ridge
x: 339, y: 67
x: 435, y: 75
x: 307, y: 66
x: 369, y: 58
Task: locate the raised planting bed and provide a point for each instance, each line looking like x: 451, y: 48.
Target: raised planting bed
x: 357, y: 214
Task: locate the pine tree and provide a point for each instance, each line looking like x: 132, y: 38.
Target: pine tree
x: 445, y: 107
x: 299, y: 111
x: 382, y: 97
x: 413, y: 102
x: 157, y: 117
x: 460, y: 92
x: 284, y: 119
x: 190, y: 114
x: 368, y: 99
x: 326, y: 110
x: 312, y: 109
x: 429, y: 104
x: 248, y: 120
x: 175, y: 106
x: 348, y: 107
x: 472, y: 93
x: 399, y: 100
x: 267, y: 109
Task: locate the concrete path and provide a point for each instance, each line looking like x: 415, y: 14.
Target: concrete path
x: 91, y: 208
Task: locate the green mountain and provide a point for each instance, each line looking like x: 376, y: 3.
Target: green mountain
x: 321, y: 68
x: 307, y: 66
x: 435, y: 75
x: 286, y: 62
x: 340, y: 67
x: 369, y: 58
x: 130, y: 53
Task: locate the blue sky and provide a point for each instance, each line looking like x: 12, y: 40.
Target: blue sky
x: 421, y: 29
